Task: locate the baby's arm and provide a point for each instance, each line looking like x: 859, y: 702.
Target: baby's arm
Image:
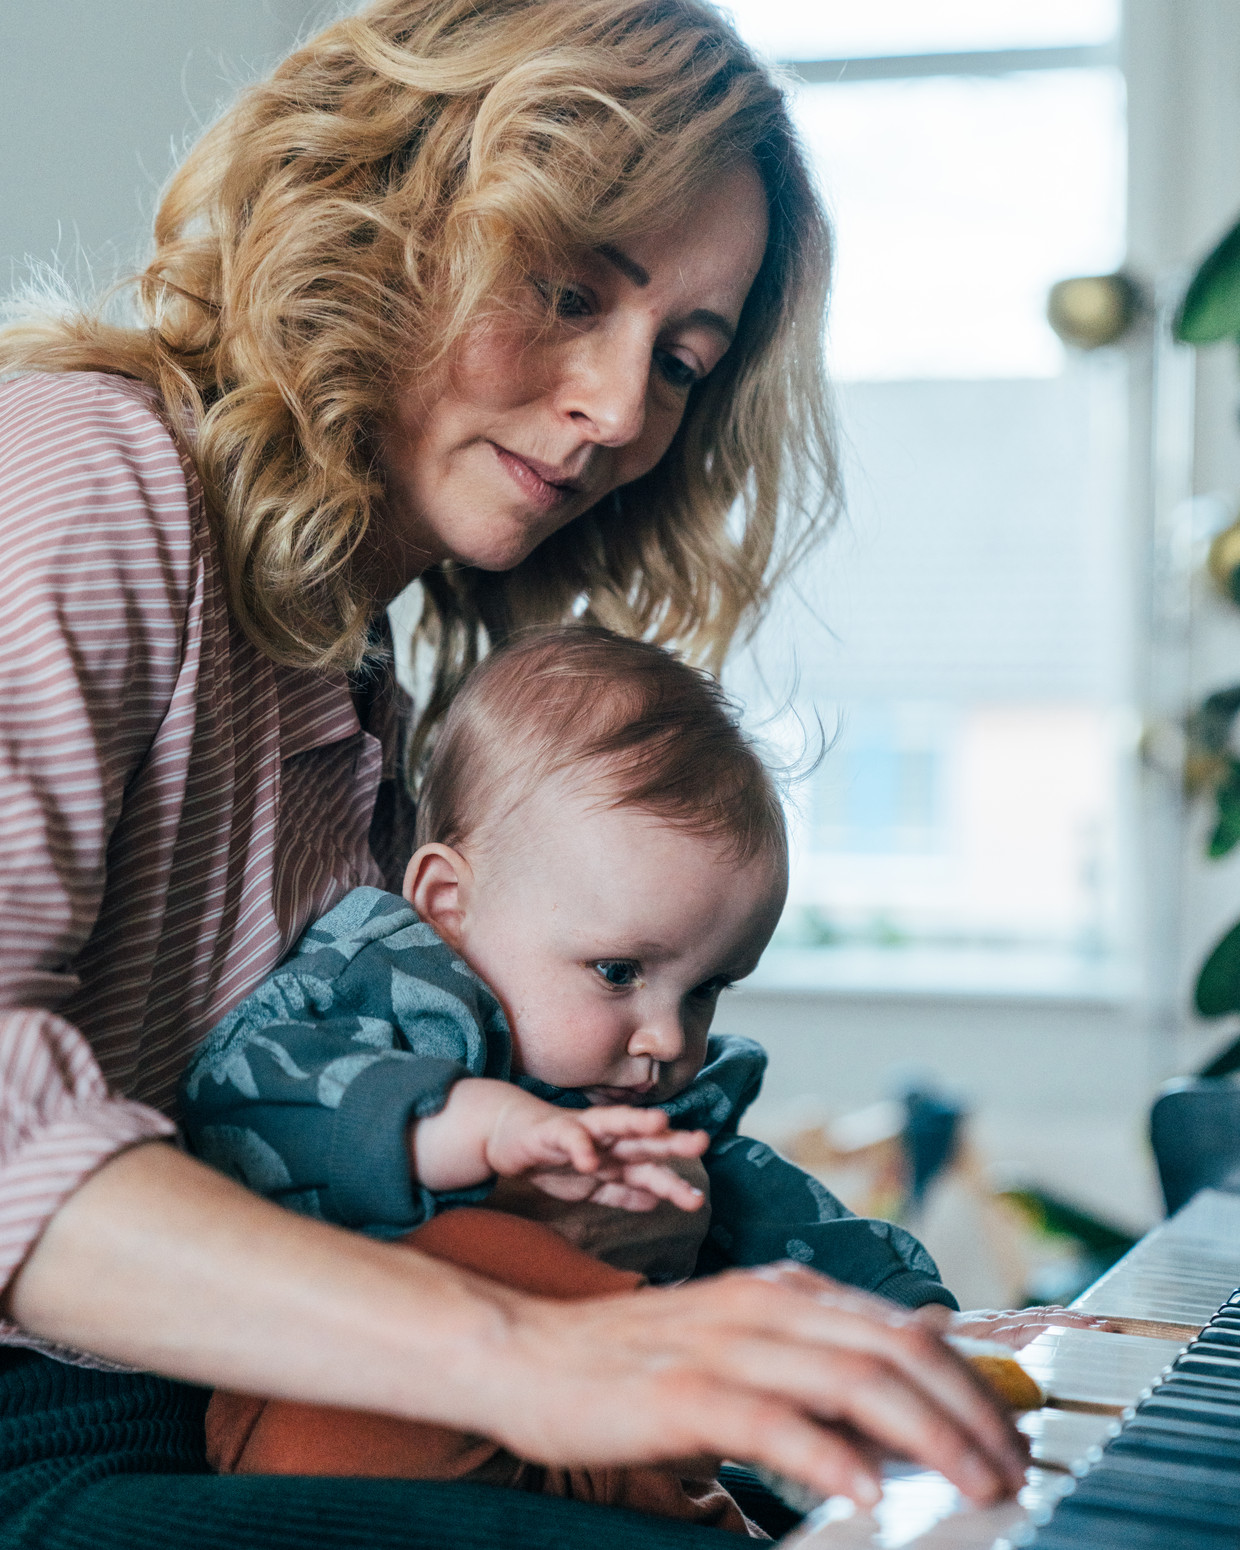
x: 609, y: 1155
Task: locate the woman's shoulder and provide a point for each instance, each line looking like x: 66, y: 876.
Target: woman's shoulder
x: 81, y: 414
x: 87, y: 463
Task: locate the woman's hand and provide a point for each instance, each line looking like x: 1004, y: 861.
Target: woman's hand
x: 780, y: 1367
x: 613, y: 1155
x: 160, y: 1263
x: 1015, y: 1327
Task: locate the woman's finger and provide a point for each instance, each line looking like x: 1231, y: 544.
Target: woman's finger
x: 814, y: 1311
x: 1016, y: 1328
x: 870, y: 1394
x: 761, y: 1429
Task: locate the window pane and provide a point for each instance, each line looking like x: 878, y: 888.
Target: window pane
x: 958, y: 201
x: 964, y: 634
x: 838, y: 29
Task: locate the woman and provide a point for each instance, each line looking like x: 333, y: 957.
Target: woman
x: 522, y: 297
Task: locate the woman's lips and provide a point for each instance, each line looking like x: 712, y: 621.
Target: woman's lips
x: 536, y: 480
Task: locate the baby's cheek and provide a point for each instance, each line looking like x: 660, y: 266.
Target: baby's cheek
x: 569, y: 1049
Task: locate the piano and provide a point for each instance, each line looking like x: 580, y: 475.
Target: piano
x: 1138, y: 1447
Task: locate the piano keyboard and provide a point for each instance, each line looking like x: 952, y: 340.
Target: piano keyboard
x: 1139, y: 1446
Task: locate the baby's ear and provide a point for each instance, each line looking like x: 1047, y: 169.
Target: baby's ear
x: 436, y: 885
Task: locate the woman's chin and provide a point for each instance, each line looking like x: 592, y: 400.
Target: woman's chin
x: 502, y: 551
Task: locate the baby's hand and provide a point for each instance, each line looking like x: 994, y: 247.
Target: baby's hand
x: 613, y: 1156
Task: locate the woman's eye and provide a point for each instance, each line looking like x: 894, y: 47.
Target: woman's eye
x: 617, y: 973
x: 571, y: 303
x: 679, y: 374
x: 563, y: 301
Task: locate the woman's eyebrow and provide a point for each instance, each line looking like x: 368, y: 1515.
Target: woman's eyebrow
x: 628, y: 267
x: 700, y: 317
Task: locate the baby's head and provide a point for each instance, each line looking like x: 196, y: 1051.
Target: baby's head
x: 602, y: 846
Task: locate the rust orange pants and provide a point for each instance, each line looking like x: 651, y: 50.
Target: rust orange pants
x: 253, y: 1436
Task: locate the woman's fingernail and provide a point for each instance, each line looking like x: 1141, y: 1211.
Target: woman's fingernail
x: 865, y: 1490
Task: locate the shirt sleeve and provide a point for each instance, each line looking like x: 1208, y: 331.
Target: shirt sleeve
x: 306, y: 1091
x: 94, y: 593
x: 764, y: 1208
x: 316, y: 1119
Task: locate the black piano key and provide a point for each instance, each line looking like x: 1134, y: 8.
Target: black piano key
x: 1185, y: 1474
x: 1188, y: 1379
x: 1211, y: 1502
x: 1081, y: 1528
x: 1216, y: 1453
x: 1207, y: 1365
x: 1193, y: 1407
x: 1170, y: 1479
x: 1188, y: 1388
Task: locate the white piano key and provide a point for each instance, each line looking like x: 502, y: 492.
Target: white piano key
x: 923, y: 1511
x: 1065, y: 1438
x: 1181, y: 1272
x: 1089, y: 1366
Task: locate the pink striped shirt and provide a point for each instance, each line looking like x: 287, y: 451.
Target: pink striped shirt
x: 174, y: 807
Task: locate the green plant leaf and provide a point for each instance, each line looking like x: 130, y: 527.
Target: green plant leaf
x: 1227, y: 831
x: 1211, y: 306
x: 1218, y: 984
x: 1209, y: 726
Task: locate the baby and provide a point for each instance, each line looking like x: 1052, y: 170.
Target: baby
x: 601, y: 854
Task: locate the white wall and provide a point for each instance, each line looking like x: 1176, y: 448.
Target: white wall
x: 1059, y: 1090
x: 97, y: 99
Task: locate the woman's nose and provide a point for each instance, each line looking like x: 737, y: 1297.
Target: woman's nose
x: 604, y: 388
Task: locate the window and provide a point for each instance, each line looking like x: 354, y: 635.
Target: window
x: 963, y: 637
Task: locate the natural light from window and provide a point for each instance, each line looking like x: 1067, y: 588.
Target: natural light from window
x: 964, y: 635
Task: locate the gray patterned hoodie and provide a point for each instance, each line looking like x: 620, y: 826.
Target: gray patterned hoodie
x: 306, y: 1090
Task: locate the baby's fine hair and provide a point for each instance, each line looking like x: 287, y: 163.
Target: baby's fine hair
x: 635, y: 723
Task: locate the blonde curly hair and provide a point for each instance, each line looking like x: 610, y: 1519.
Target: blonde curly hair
x: 394, y: 179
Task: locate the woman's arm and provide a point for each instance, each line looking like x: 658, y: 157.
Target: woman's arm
x: 158, y: 1262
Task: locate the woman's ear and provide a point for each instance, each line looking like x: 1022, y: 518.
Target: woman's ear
x: 438, y: 883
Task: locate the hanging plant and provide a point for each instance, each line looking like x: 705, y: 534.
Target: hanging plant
x: 1209, y: 312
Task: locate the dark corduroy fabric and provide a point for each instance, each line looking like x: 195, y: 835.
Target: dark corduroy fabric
x: 108, y: 1461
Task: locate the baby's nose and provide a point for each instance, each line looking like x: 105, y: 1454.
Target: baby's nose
x: 660, y: 1037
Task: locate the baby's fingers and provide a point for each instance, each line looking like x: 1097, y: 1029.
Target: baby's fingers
x: 564, y: 1140
x: 672, y: 1143
x: 610, y: 1122
x: 663, y: 1183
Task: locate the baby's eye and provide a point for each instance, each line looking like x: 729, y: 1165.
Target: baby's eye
x: 709, y: 989
x: 618, y: 973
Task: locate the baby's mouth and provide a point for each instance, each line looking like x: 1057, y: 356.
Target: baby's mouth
x: 637, y: 1096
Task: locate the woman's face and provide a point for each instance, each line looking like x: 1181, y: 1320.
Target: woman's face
x: 530, y: 426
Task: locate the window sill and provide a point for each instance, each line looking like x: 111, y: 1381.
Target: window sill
x: 1005, y: 974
